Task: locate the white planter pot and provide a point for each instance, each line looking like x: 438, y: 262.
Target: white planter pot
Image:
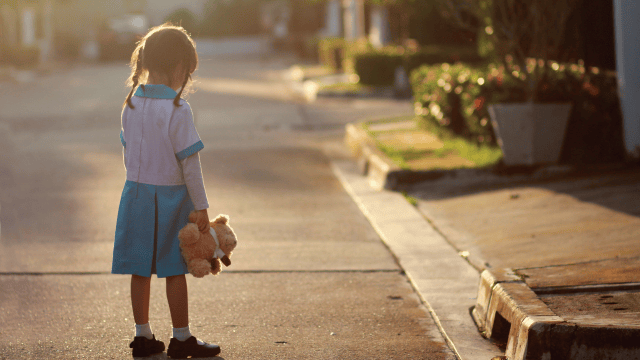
x: 530, y: 133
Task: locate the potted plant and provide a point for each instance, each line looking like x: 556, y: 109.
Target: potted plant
x: 526, y: 37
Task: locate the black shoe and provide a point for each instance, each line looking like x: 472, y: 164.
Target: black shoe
x: 143, y: 347
x: 190, y: 347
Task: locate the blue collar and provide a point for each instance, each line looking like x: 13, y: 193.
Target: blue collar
x: 156, y: 91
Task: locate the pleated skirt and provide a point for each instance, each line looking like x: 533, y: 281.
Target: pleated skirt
x: 146, y: 239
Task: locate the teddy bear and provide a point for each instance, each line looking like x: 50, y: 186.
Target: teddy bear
x: 203, y: 252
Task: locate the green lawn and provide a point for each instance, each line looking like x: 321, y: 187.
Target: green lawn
x: 416, y: 148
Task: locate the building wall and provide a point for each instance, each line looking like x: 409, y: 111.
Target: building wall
x: 26, y: 25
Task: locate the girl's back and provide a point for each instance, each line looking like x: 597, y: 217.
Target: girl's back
x: 157, y: 135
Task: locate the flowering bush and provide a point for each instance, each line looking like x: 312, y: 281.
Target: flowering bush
x: 453, y: 97
x: 456, y: 97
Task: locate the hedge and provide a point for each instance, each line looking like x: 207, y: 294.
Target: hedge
x: 378, y: 66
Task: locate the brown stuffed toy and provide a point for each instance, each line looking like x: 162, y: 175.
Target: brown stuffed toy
x: 203, y: 252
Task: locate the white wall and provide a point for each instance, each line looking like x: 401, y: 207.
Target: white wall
x: 627, y: 13
x: 353, y: 19
x: 333, y: 19
x: 379, y: 34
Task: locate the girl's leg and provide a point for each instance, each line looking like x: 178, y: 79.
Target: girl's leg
x: 183, y: 344
x: 178, y: 300
x: 140, y: 290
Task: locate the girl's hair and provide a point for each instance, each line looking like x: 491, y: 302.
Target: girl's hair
x: 164, y: 50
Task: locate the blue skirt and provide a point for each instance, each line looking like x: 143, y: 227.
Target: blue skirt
x: 149, y: 219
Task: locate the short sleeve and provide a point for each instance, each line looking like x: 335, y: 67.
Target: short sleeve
x: 182, y: 131
x: 124, y: 143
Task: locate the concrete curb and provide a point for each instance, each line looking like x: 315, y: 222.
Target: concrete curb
x: 446, y: 283
x: 507, y: 308
x: 372, y: 162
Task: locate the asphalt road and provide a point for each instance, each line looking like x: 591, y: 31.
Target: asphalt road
x: 310, y: 278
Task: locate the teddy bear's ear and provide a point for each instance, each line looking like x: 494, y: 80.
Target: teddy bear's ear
x: 221, y: 219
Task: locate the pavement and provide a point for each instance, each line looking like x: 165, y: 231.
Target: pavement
x: 546, y: 260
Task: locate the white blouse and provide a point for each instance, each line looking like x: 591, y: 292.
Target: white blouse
x: 161, y: 143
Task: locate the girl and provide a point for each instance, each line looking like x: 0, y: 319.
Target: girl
x: 164, y: 184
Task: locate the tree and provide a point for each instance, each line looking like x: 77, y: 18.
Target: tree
x: 526, y: 34
x: 184, y: 18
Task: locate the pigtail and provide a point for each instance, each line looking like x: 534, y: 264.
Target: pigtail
x: 136, y: 72
x: 176, y: 100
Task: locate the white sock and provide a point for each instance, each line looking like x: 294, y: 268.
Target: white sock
x: 144, y: 330
x: 181, y: 334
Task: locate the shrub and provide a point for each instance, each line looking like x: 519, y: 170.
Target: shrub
x: 451, y: 96
x: 306, y: 47
x: 231, y: 18
x: 377, y: 68
x: 455, y: 97
x: 331, y: 52
x: 352, y: 49
x: 340, y: 54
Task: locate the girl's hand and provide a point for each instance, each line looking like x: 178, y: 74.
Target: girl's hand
x: 203, y: 220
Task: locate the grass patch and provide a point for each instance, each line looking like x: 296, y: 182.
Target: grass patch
x: 396, y: 155
x: 389, y: 120
x: 481, y: 155
x: 420, y: 148
x: 413, y: 201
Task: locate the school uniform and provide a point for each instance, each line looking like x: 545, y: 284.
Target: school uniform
x: 163, y: 185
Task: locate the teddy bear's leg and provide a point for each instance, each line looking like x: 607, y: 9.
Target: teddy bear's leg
x: 199, y: 267
x: 215, y: 266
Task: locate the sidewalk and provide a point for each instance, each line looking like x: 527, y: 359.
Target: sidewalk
x: 555, y: 255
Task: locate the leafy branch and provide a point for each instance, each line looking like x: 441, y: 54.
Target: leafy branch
x: 527, y: 33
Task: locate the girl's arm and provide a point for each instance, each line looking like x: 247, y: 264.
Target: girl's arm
x: 195, y: 185
x: 186, y: 145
